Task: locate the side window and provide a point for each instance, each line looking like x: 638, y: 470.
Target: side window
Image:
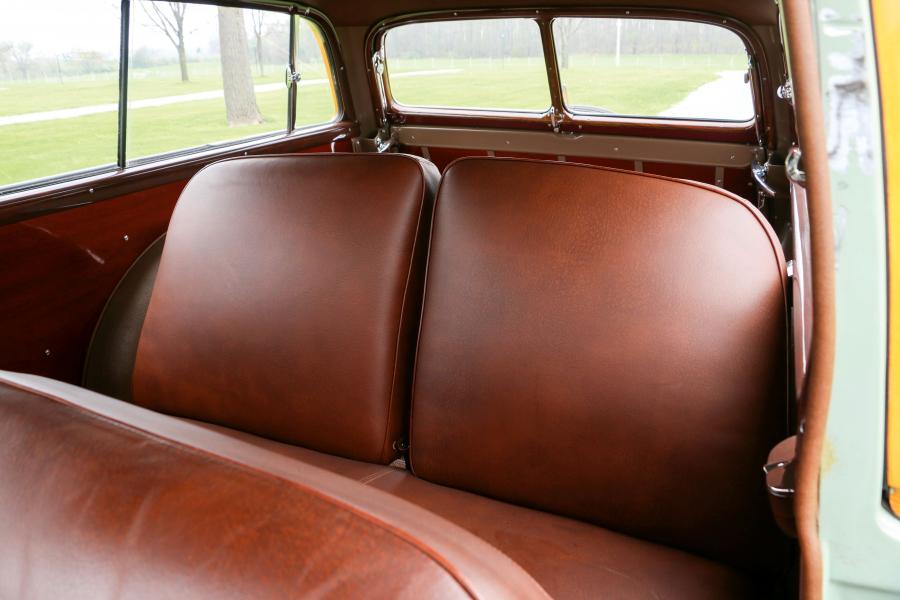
x: 652, y: 68
x: 59, y: 91
x: 493, y: 64
x: 201, y: 74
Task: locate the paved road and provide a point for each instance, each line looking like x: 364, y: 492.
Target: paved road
x: 728, y: 97
x: 81, y: 111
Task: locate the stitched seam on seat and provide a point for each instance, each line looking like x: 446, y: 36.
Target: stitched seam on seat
x: 422, y: 304
x: 403, y: 306
x: 373, y: 477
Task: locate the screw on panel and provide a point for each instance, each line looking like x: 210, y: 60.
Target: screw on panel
x: 47, y: 352
x: 125, y: 237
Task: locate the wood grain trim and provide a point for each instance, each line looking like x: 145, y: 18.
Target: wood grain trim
x: 69, y: 194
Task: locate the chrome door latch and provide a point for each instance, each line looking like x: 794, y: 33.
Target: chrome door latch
x: 759, y: 168
x: 291, y: 77
x: 792, y: 166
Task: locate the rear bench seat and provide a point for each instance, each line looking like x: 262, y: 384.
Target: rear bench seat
x: 600, y: 368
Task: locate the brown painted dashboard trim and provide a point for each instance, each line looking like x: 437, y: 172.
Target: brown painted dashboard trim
x: 47, y: 199
x: 762, y: 129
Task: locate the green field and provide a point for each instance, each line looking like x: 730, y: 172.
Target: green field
x: 642, y: 86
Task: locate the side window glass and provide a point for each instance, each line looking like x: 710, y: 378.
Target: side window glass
x: 59, y: 90
x: 202, y: 75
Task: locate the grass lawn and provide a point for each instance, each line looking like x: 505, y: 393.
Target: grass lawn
x: 18, y: 98
x: 46, y: 148
x: 645, y: 86
x: 640, y: 85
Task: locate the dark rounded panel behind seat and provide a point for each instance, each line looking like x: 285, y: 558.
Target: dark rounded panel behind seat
x: 110, y: 357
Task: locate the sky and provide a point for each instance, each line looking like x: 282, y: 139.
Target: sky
x: 58, y: 26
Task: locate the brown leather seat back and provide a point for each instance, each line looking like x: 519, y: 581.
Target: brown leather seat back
x: 287, y: 299
x: 604, y: 345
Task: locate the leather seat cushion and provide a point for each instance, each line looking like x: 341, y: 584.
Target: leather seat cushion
x: 100, y: 498
x: 570, y: 559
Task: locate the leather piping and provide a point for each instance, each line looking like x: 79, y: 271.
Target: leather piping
x: 813, y: 410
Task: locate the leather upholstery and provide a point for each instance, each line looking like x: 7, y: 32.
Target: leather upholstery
x: 607, y: 346
x: 572, y: 559
x: 602, y: 345
x: 110, y: 359
x: 287, y: 299
x: 174, y: 510
x: 568, y: 558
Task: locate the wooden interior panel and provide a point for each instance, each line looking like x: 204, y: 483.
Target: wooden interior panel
x: 58, y: 269
x: 699, y: 173
x: 441, y: 157
x: 614, y: 163
x: 740, y: 182
x: 61, y: 268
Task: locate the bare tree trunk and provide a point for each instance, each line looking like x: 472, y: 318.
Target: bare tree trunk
x: 182, y: 60
x: 259, y: 54
x: 171, y: 23
x: 240, y: 97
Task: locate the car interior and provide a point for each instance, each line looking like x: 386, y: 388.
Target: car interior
x: 424, y: 351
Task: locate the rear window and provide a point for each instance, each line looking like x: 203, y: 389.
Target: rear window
x: 475, y: 64
x: 652, y: 68
x: 607, y: 66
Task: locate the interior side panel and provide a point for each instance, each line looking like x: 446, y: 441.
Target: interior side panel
x: 60, y: 269
x: 65, y: 267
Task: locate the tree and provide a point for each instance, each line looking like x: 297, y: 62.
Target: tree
x: 565, y: 29
x: 5, y: 56
x: 21, y: 54
x: 258, y: 18
x: 171, y: 23
x: 240, y: 97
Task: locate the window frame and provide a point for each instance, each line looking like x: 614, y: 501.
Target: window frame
x: 452, y: 110
x: 578, y: 115
x: 760, y: 129
x: 15, y: 192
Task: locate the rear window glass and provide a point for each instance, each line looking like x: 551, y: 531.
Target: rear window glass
x: 652, y: 68
x: 474, y: 64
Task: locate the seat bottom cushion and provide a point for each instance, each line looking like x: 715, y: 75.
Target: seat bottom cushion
x: 569, y: 558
